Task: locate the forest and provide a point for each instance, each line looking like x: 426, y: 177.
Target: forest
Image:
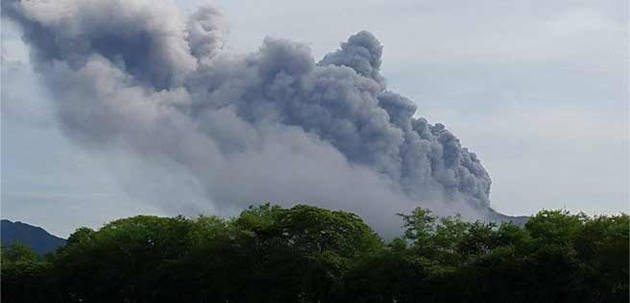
x: 309, y: 254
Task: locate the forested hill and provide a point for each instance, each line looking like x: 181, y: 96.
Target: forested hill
x: 34, y: 237
x: 310, y: 254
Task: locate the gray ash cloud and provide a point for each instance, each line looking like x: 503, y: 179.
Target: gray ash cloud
x: 274, y: 125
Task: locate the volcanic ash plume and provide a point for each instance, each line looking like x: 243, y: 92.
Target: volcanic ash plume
x: 273, y: 125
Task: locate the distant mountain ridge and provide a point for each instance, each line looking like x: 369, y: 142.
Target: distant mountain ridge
x: 34, y: 237
x: 498, y: 217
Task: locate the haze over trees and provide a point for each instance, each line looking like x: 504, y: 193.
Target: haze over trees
x: 310, y: 254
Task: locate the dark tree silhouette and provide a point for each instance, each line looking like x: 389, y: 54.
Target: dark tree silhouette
x: 310, y: 254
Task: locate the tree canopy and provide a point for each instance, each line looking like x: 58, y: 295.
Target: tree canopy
x: 309, y: 254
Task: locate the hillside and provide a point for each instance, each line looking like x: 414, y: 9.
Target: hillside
x: 498, y: 217
x: 34, y: 237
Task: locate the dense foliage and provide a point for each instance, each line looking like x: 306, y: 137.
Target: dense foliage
x: 309, y: 254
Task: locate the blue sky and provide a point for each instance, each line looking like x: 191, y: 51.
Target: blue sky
x: 538, y: 89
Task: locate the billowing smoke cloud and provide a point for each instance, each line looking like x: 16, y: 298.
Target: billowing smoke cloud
x: 273, y: 125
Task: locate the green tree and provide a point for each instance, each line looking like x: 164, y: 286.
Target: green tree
x: 309, y: 254
x: 23, y: 275
x: 123, y: 261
